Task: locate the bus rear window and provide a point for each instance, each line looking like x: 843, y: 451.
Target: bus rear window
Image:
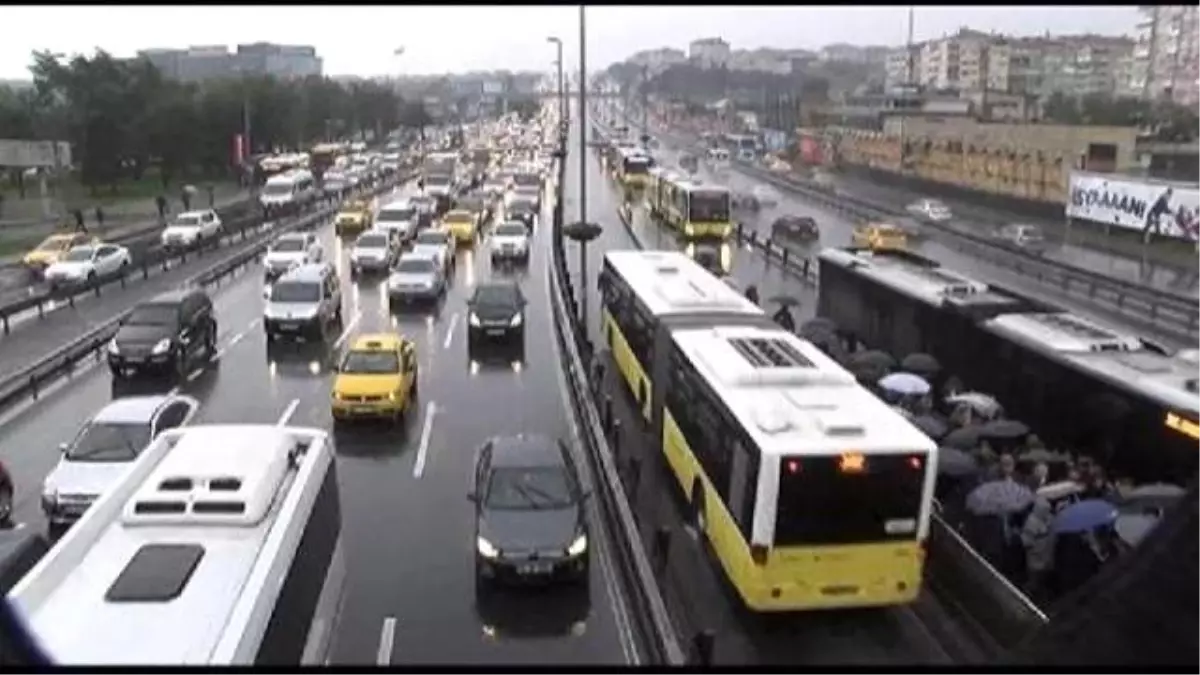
x: 848, y: 500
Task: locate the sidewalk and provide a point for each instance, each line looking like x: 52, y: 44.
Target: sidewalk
x: 15, y: 239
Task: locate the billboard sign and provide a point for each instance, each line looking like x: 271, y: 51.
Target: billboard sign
x: 30, y: 154
x: 1166, y: 209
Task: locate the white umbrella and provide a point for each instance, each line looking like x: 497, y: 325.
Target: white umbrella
x: 905, y: 384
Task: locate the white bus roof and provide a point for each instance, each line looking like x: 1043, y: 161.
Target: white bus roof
x: 791, y: 398
x: 930, y: 283
x: 669, y: 282
x: 165, y: 567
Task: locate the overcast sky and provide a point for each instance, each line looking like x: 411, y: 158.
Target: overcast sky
x: 361, y: 40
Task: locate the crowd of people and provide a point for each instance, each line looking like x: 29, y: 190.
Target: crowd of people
x: 1048, y: 520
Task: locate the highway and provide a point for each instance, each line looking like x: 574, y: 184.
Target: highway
x: 406, y: 521
x: 696, y: 593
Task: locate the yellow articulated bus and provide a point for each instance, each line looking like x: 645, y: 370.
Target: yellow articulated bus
x: 813, y: 493
x: 697, y: 210
x: 633, y: 168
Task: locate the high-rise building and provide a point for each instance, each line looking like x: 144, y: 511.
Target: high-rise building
x: 1166, y: 62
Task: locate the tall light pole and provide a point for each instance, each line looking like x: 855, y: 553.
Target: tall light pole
x: 562, y: 92
x: 397, y: 53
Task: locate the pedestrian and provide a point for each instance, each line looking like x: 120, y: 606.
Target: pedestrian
x: 185, y: 196
x: 212, y: 196
x: 1039, y: 476
x: 161, y: 202
x: 1037, y: 535
x: 80, y: 226
x: 99, y: 217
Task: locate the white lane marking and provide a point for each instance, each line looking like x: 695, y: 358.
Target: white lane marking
x: 232, y: 341
x: 348, y: 328
x: 387, y: 639
x: 254, y: 323
x: 287, y: 413
x: 192, y: 376
x: 450, y: 331
x: 423, y: 444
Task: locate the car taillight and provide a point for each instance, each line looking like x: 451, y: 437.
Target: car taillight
x: 758, y: 554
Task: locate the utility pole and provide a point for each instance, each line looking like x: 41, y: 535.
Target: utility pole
x: 908, y: 86
x: 645, y: 96
x: 583, y: 165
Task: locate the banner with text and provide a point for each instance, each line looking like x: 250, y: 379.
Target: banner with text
x: 1166, y: 210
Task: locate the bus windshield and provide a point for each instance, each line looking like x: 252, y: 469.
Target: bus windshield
x: 638, y: 166
x: 822, y: 501
x: 709, y: 207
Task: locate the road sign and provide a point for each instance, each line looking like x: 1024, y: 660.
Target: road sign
x: 27, y: 154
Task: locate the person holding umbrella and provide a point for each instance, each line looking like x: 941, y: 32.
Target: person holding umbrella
x: 783, y: 315
x: 752, y: 293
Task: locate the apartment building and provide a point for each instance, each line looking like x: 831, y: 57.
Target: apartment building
x: 199, y: 63
x: 847, y: 53
x: 1165, y: 60
x: 774, y: 61
x: 709, y: 52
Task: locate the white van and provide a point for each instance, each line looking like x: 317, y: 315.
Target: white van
x: 293, y: 187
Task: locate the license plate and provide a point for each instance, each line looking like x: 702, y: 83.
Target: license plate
x: 495, y: 331
x: 535, y: 568
x: 361, y: 410
x: 287, y: 326
x: 134, y: 359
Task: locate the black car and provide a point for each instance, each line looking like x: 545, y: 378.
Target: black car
x: 800, y: 228
x: 530, y: 517
x: 165, y: 334
x: 524, y: 210
x: 496, y: 310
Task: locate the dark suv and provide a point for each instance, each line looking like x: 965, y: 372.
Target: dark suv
x: 165, y: 335
x: 496, y: 310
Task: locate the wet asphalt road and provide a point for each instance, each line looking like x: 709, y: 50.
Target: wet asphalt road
x: 407, y: 522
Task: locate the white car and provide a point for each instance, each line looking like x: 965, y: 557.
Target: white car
x: 105, y: 447
x: 495, y: 187
x: 191, y: 228
x: 766, y: 196
x: 291, y: 250
x: 510, y: 241
x: 930, y: 209
x: 437, y: 243
x: 87, y: 263
x: 374, y: 251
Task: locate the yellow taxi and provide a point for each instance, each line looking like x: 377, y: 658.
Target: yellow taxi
x: 462, y: 225
x: 377, y: 378
x: 354, y: 217
x: 53, y: 248
x: 880, y: 237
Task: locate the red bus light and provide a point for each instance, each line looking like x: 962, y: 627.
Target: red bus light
x: 793, y: 466
x: 915, y: 463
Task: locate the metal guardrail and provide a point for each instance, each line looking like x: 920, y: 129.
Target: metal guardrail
x: 999, y: 614
x: 31, y: 381
x: 652, y: 616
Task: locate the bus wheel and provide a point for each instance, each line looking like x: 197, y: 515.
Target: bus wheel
x: 696, y: 517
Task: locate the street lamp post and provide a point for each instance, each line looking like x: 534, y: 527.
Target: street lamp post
x: 562, y: 92
x: 583, y: 283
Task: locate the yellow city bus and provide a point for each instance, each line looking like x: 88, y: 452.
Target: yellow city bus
x: 633, y: 168
x: 697, y: 210
x: 812, y: 492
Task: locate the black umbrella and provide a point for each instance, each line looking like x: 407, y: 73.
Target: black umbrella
x: 965, y: 438
x: 931, y: 426
x: 785, y: 300
x: 1037, y: 455
x: 956, y: 463
x: 817, y: 333
x: 1003, y: 430
x: 819, y: 324
x: 1160, y: 496
x: 874, y: 358
x: 921, y: 364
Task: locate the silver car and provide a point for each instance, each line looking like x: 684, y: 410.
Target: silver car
x: 437, y: 243
x: 104, y: 448
x: 373, y: 251
x: 416, y: 277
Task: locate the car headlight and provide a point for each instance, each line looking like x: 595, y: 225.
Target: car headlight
x: 485, y: 548
x: 392, y: 396
x: 578, y: 546
x: 689, y: 230
x: 473, y: 318
x: 516, y: 320
x: 113, y: 347
x: 162, y: 346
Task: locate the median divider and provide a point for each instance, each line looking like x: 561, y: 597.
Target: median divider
x: 650, y: 611
x: 997, y: 614
x: 32, y: 380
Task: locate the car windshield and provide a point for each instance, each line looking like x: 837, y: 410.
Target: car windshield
x: 415, y: 266
x: 277, y: 190
x: 109, y: 442
x: 372, y: 241
x: 288, y: 246
x: 296, y: 291
x: 186, y: 221
x: 496, y: 296
x: 431, y: 237
x: 510, y: 230
x: 153, y: 315
x: 395, y: 215
x: 80, y: 254
x: 512, y: 488
x: 371, y: 363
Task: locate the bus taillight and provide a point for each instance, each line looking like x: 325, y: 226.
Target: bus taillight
x: 758, y: 554
x: 915, y: 462
x: 793, y: 466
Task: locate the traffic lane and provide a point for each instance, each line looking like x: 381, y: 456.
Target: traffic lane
x: 33, y: 432
x: 394, y: 486
x: 818, y: 638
